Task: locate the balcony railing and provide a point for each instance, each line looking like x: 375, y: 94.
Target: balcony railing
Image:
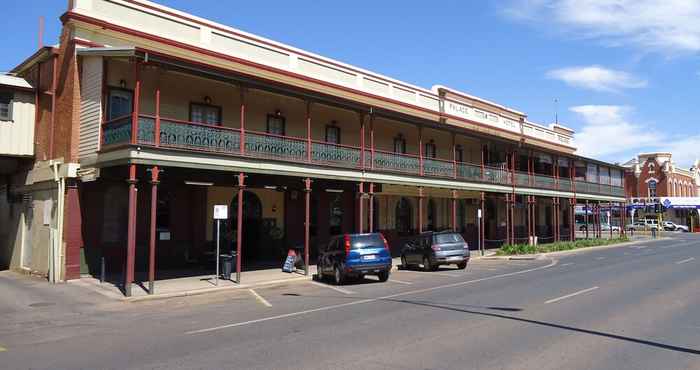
x: 184, y: 135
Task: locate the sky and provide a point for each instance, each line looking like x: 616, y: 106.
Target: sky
x: 624, y: 74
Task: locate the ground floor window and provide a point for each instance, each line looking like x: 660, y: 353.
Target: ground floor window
x: 403, y: 214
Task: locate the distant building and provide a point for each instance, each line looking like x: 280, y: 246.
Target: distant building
x: 655, y: 176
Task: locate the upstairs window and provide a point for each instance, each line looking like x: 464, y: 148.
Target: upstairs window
x: 276, y: 124
x: 400, y: 145
x: 205, y: 113
x: 6, y: 106
x: 333, y: 134
x: 459, y: 154
x: 430, y: 150
x: 652, y: 188
x: 120, y: 103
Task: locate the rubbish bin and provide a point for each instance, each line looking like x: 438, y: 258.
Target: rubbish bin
x: 226, y: 263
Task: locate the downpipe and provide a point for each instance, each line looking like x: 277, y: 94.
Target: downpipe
x: 56, y: 254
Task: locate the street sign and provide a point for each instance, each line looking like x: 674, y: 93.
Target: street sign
x: 220, y: 212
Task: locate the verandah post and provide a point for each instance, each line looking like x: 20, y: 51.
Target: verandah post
x: 371, y: 207
x: 360, y: 207
x: 137, y: 98
x: 131, y: 231
x: 307, y: 205
x: 241, y: 141
x: 239, y: 226
x: 155, y: 171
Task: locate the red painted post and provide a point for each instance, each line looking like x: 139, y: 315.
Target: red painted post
x: 371, y: 138
x: 362, y: 141
x: 420, y: 209
x: 152, y: 240
x: 572, y: 218
x: 454, y: 210
x: 585, y: 216
x: 482, y: 221
x: 242, y: 130
x: 156, y: 129
x: 307, y: 205
x: 137, y: 98
x: 360, y: 208
x: 454, y: 155
x: 610, y: 218
x: 308, y: 131
x: 371, y: 207
x: 239, y: 226
x: 420, y: 150
x: 131, y: 231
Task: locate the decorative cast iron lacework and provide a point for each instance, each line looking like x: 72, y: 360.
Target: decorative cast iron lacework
x: 339, y: 155
x: 433, y: 167
x: 275, y: 147
x: 544, y: 182
x: 468, y: 172
x: 147, y: 130
x: 396, y: 162
x: 496, y: 176
x: 213, y: 139
x: 117, y: 132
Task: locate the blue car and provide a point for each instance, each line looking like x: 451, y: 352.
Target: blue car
x: 354, y: 256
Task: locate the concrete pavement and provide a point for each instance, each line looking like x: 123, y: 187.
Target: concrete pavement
x: 631, y: 307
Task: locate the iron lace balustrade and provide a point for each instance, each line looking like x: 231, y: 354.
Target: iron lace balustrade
x: 438, y: 167
x: 117, y: 131
x: 147, y: 126
x: 565, y: 185
x: 396, y: 162
x: 198, y: 136
x: 468, y: 171
x: 496, y: 175
x: 522, y: 179
x: 545, y: 182
x: 285, y: 148
x: 335, y: 154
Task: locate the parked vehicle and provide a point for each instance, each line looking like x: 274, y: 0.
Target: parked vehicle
x: 671, y: 226
x: 432, y: 249
x: 636, y: 226
x: 603, y: 227
x: 354, y: 256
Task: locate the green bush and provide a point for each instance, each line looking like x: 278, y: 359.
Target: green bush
x: 515, y: 249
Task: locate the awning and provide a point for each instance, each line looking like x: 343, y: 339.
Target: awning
x: 108, y: 51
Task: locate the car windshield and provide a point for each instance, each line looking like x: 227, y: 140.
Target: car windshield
x: 367, y: 241
x: 448, y: 238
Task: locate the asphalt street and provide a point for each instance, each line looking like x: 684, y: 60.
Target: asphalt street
x: 626, y: 307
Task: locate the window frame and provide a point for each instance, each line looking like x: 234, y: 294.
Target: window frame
x: 280, y: 117
x: 205, y: 105
x: 459, y: 154
x: 10, y: 103
x: 426, y: 152
x: 400, y: 139
x: 338, y: 135
x: 111, y: 89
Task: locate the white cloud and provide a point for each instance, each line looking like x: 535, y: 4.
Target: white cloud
x: 608, y: 134
x: 665, y: 26
x: 597, y: 78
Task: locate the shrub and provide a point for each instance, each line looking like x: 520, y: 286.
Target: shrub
x: 514, y: 249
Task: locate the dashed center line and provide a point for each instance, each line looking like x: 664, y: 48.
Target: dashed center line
x: 259, y: 298
x: 571, y: 295
x: 337, y: 289
x: 685, y: 260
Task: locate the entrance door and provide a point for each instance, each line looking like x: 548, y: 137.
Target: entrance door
x: 252, y: 224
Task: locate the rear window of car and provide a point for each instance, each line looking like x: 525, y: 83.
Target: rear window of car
x: 448, y: 238
x: 367, y: 241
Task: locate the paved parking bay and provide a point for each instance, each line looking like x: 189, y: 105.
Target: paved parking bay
x: 589, y: 309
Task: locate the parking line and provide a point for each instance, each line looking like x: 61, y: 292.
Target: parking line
x: 337, y: 289
x: 369, y: 300
x: 566, y: 264
x: 259, y: 298
x: 571, y: 295
x: 428, y: 273
x: 685, y: 260
x: 400, y: 281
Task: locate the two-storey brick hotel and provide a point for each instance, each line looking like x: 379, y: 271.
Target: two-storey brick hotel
x: 150, y: 116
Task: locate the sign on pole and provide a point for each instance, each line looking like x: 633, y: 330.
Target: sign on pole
x: 220, y: 213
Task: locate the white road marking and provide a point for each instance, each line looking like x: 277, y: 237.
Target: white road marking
x: 600, y: 258
x: 571, y: 295
x: 337, y: 289
x: 369, y: 300
x: 260, y: 298
x: 400, y: 281
x: 428, y: 273
x: 567, y: 264
x: 685, y: 260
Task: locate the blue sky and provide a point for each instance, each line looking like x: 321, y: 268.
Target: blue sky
x: 626, y: 73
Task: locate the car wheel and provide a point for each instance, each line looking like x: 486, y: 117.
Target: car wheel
x: 462, y: 265
x: 338, y: 277
x: 383, y: 276
x: 427, y: 266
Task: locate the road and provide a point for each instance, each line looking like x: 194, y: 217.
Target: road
x: 631, y: 307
